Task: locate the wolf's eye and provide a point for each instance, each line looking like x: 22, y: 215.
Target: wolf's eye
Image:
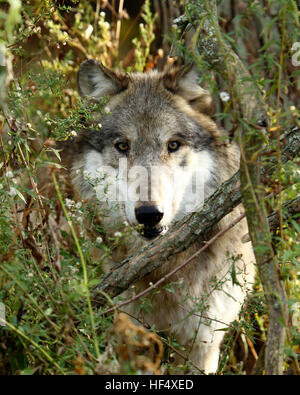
x: 122, y: 147
x: 173, y: 146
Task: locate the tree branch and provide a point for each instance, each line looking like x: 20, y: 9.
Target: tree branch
x: 193, y: 227
x: 172, y: 272
x: 184, y: 233
x: 292, y: 207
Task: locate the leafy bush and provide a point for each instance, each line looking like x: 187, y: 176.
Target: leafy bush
x: 47, y: 271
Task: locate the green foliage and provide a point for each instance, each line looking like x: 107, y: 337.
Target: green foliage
x: 47, y: 273
x: 142, y: 44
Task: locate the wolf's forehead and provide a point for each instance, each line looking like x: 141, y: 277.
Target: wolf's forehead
x: 146, y: 113
x: 142, y: 125
x: 143, y: 116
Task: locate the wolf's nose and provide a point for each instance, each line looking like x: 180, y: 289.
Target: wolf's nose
x: 149, y: 215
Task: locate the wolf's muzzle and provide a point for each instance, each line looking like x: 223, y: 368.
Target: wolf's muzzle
x: 149, y: 215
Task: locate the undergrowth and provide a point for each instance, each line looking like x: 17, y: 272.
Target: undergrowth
x: 50, y: 260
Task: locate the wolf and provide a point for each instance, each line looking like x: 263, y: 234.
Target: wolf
x: 160, y: 124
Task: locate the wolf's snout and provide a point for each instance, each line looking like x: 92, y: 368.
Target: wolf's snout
x: 149, y: 215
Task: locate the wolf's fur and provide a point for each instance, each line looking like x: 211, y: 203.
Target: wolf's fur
x: 148, y: 111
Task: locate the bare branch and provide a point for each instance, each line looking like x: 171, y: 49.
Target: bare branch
x: 172, y: 272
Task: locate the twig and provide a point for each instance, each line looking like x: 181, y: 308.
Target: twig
x: 118, y: 29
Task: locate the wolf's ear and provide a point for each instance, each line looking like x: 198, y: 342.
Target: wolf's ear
x: 95, y: 81
x: 185, y: 84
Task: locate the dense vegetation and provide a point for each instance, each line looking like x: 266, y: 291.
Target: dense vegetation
x: 47, y: 273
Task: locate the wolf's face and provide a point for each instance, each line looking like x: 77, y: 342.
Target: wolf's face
x: 155, y: 149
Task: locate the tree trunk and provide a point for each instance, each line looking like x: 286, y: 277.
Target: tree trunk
x: 249, y: 112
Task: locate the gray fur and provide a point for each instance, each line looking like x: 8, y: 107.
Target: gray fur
x: 147, y: 111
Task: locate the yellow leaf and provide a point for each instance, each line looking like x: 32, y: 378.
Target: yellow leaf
x: 275, y: 128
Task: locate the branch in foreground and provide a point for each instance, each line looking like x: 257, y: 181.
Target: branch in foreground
x: 193, y: 227
x: 172, y: 272
x: 183, y: 234
x: 292, y: 207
